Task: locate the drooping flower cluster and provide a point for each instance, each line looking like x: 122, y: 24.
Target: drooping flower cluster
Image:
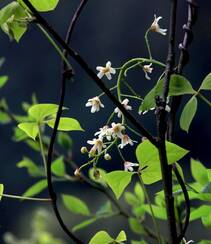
x: 116, y: 131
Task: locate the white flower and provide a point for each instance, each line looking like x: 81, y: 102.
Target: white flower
x: 97, y: 146
x: 104, y: 132
x: 126, y: 106
x: 187, y: 242
x: 95, y: 103
x: 125, y: 140
x: 128, y: 166
x: 155, y: 26
x: 147, y: 69
x: 117, y: 130
x: 107, y: 71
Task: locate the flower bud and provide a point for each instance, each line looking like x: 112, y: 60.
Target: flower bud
x: 77, y: 173
x: 107, y: 157
x: 84, y: 150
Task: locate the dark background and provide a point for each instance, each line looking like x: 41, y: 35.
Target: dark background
x: 107, y: 30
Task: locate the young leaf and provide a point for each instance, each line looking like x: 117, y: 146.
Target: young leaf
x: 121, y: 237
x: 66, y: 124
x: 75, y: 205
x: 131, y: 199
x: 159, y: 212
x: 35, y: 189
x: 31, y: 129
x: 41, y: 111
x: 101, y: 237
x: 188, y: 114
x: 199, y: 172
x: 84, y: 224
x: 1, y: 190
x: 58, y: 167
x: 206, y: 84
x: 3, y: 80
x: 118, y: 181
x: 31, y: 167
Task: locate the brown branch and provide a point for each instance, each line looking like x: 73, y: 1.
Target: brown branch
x: 162, y: 127
x: 90, y: 72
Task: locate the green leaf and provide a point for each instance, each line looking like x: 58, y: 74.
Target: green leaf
x: 31, y: 167
x: 1, y: 191
x: 199, y: 172
x: 139, y: 193
x: 121, y: 237
x: 42, y: 111
x: 75, y: 205
x: 65, y: 140
x: 101, y: 237
x: 31, y: 129
x: 179, y: 85
x: 84, y: 224
x: 12, y: 20
x: 4, y: 118
x: 118, y: 181
x: 58, y: 167
x: 147, y: 153
x: 35, y: 189
x: 206, y: 188
x: 131, y: 199
x: 188, y: 114
x: 44, y: 6
x: 148, y: 158
x: 3, y: 80
x: 66, y: 124
x: 159, y: 212
x: 206, y: 83
x: 135, y: 226
x: 139, y: 242
x: 104, y: 209
x: 205, y: 242
x: 200, y: 212
x: 206, y: 221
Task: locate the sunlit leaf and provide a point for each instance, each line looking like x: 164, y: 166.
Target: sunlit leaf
x: 199, y: 212
x: 66, y: 124
x: 101, y: 237
x: 188, y: 114
x: 41, y: 111
x: 31, y: 129
x: 1, y: 191
x: 75, y: 205
x: 118, y: 181
x: 121, y: 237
